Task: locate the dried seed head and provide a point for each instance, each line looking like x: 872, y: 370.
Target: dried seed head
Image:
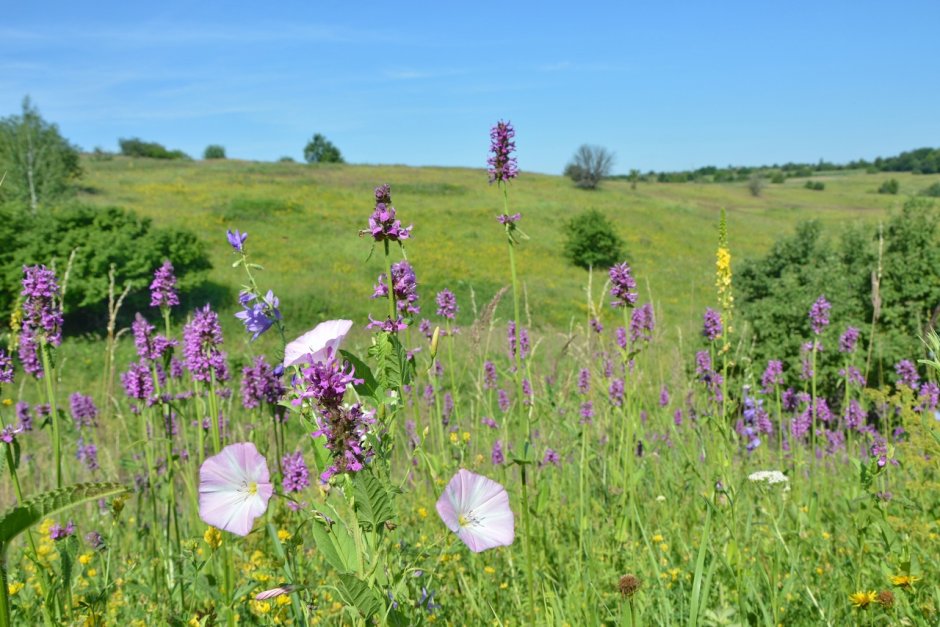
x: 886, y: 599
x: 629, y: 584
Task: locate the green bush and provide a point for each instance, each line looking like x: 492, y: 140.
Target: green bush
x: 933, y: 191
x: 321, y: 150
x: 101, y: 237
x: 817, y: 186
x: 135, y: 147
x: 778, y: 178
x: 214, y: 151
x: 593, y: 241
x: 891, y: 186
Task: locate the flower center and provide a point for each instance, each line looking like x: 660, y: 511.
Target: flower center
x: 253, y: 488
x: 468, y: 519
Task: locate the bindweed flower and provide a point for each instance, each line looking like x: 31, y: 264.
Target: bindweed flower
x: 819, y: 315
x: 316, y: 345
x: 234, y: 488
x: 163, y: 288
x: 502, y: 165
x: 202, y: 337
x: 447, y: 304
x: 712, y: 328
x: 236, y: 240
x: 258, y: 314
x: 477, y: 510
x: 622, y: 286
x: 382, y: 223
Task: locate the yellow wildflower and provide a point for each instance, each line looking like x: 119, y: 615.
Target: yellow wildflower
x: 7, y: 402
x: 657, y: 539
x: 283, y: 600
x: 466, y: 436
x: 503, y: 585
x: 85, y: 558
x: 863, y: 599
x: 260, y: 607
x: 283, y: 535
x: 14, y: 587
x: 453, y: 437
x: 904, y: 581
x: 489, y: 570
x: 422, y: 512
x: 213, y: 537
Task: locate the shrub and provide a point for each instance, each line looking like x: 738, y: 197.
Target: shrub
x: 593, y: 241
x: 38, y: 163
x: 135, y: 147
x: 589, y: 166
x: 778, y: 178
x: 100, y: 237
x: 214, y: 151
x: 933, y: 191
x: 286, y: 159
x: 817, y: 186
x: 321, y: 150
x: 755, y: 184
x: 891, y: 186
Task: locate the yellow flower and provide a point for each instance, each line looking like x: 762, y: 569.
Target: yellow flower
x: 260, y: 607
x: 466, y: 436
x: 503, y: 585
x: 92, y: 572
x: 7, y: 402
x: 863, y: 599
x: 85, y: 558
x: 14, y: 587
x: 663, y: 547
x: 283, y: 535
x: 904, y: 581
x: 283, y: 600
x: 657, y: 539
x: 489, y: 570
x: 213, y: 537
x: 194, y: 622
x: 453, y: 437
x: 422, y: 512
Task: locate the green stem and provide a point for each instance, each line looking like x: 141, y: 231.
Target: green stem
x: 813, y: 406
x: 48, y: 373
x: 4, y: 597
x: 392, y: 310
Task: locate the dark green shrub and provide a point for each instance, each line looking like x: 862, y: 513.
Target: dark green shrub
x: 321, y: 150
x: 778, y: 178
x: 891, y: 186
x: 214, y: 151
x: 933, y: 191
x: 593, y: 241
x: 817, y: 186
x: 135, y: 147
x: 101, y: 237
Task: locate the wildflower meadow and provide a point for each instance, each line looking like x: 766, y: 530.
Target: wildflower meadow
x: 403, y: 468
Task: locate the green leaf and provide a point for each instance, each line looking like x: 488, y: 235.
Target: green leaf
x: 335, y: 543
x: 393, y: 367
x: 369, y: 386
x: 358, y: 594
x: 373, y: 504
x: 20, y: 518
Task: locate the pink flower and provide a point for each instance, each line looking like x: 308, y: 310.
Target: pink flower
x: 477, y: 510
x: 273, y: 593
x: 315, y: 346
x: 234, y: 488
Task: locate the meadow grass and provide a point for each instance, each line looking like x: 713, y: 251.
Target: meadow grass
x: 651, y: 486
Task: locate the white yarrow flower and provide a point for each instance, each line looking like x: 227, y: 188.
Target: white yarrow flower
x: 769, y: 476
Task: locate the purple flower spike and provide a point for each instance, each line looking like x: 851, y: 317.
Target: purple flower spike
x: 712, y: 327
x: 848, y: 340
x: 477, y: 510
x: 447, y: 304
x: 237, y: 240
x: 819, y: 315
x: 502, y: 165
x: 296, y: 475
x: 622, y: 286
x: 163, y: 289
x: 6, y: 367
x: 382, y: 223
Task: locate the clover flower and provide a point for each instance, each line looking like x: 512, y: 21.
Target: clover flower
x: 477, y: 510
x: 234, y: 488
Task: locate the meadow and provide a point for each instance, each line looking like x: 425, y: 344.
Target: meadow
x: 548, y: 448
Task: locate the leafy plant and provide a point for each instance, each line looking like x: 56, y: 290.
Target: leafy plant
x: 592, y: 241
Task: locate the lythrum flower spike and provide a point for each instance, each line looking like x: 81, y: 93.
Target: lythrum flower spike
x: 234, y: 488
x: 477, y: 510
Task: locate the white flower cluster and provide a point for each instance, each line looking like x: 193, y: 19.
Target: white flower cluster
x: 770, y: 476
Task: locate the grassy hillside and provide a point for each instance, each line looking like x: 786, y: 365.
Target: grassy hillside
x: 304, y: 220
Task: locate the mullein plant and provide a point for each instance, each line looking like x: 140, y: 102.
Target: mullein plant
x: 723, y: 285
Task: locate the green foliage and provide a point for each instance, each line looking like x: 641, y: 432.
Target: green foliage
x: 592, y: 241
x: 891, y: 186
x: 817, y: 186
x: 755, y: 184
x: 778, y: 178
x: 214, y: 151
x: 37, y: 164
x: 135, y: 147
x: 100, y: 237
x: 321, y: 150
x: 931, y: 192
x: 777, y: 290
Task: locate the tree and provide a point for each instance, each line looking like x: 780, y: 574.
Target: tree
x: 38, y: 162
x: 593, y: 241
x: 634, y: 177
x: 214, y: 151
x: 589, y: 166
x: 321, y: 150
x: 755, y: 184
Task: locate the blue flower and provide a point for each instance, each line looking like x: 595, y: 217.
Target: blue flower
x: 237, y: 240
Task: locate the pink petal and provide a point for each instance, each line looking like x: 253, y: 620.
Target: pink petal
x: 486, y: 503
x: 313, y: 345
x: 224, y: 498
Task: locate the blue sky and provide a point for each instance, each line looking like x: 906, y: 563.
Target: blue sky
x: 664, y: 85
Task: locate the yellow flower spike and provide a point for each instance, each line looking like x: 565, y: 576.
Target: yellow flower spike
x: 863, y: 599
x: 213, y: 537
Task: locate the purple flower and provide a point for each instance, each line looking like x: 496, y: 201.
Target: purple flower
x: 137, y: 381
x: 907, y: 374
x: 502, y: 398
x: 551, y: 457
x: 642, y: 324
x: 490, y: 379
x: 712, y: 379
x: 848, y: 340
x: 587, y: 412
x: 237, y: 240
x: 405, y: 285
x: 446, y: 304
x: 526, y: 393
x: 773, y: 376
x: 87, y: 453
x: 712, y: 327
x: 148, y: 346
x: 8, y: 434
x: 854, y: 415
x: 496, y: 456
x: 622, y: 286
x: 42, y: 316
x: 58, y: 532
x: 84, y: 411
x: 596, y: 325
x: 621, y: 337
x: 24, y: 416
x: 524, y: 345
x: 664, y: 396
x: 502, y: 165
x: 258, y: 315
x: 346, y: 432
x: 929, y: 396
x: 29, y: 353
x: 382, y: 223
x: 509, y: 220
x: 819, y: 315
x: 388, y: 325
x: 260, y: 384
x: 511, y: 339
x: 448, y: 410
x: 296, y: 475
x: 615, y: 392
x: 163, y: 289
x: 584, y: 381
x: 325, y: 383
x: 854, y: 376
x: 6, y: 367
x: 201, y: 340
x: 95, y: 540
